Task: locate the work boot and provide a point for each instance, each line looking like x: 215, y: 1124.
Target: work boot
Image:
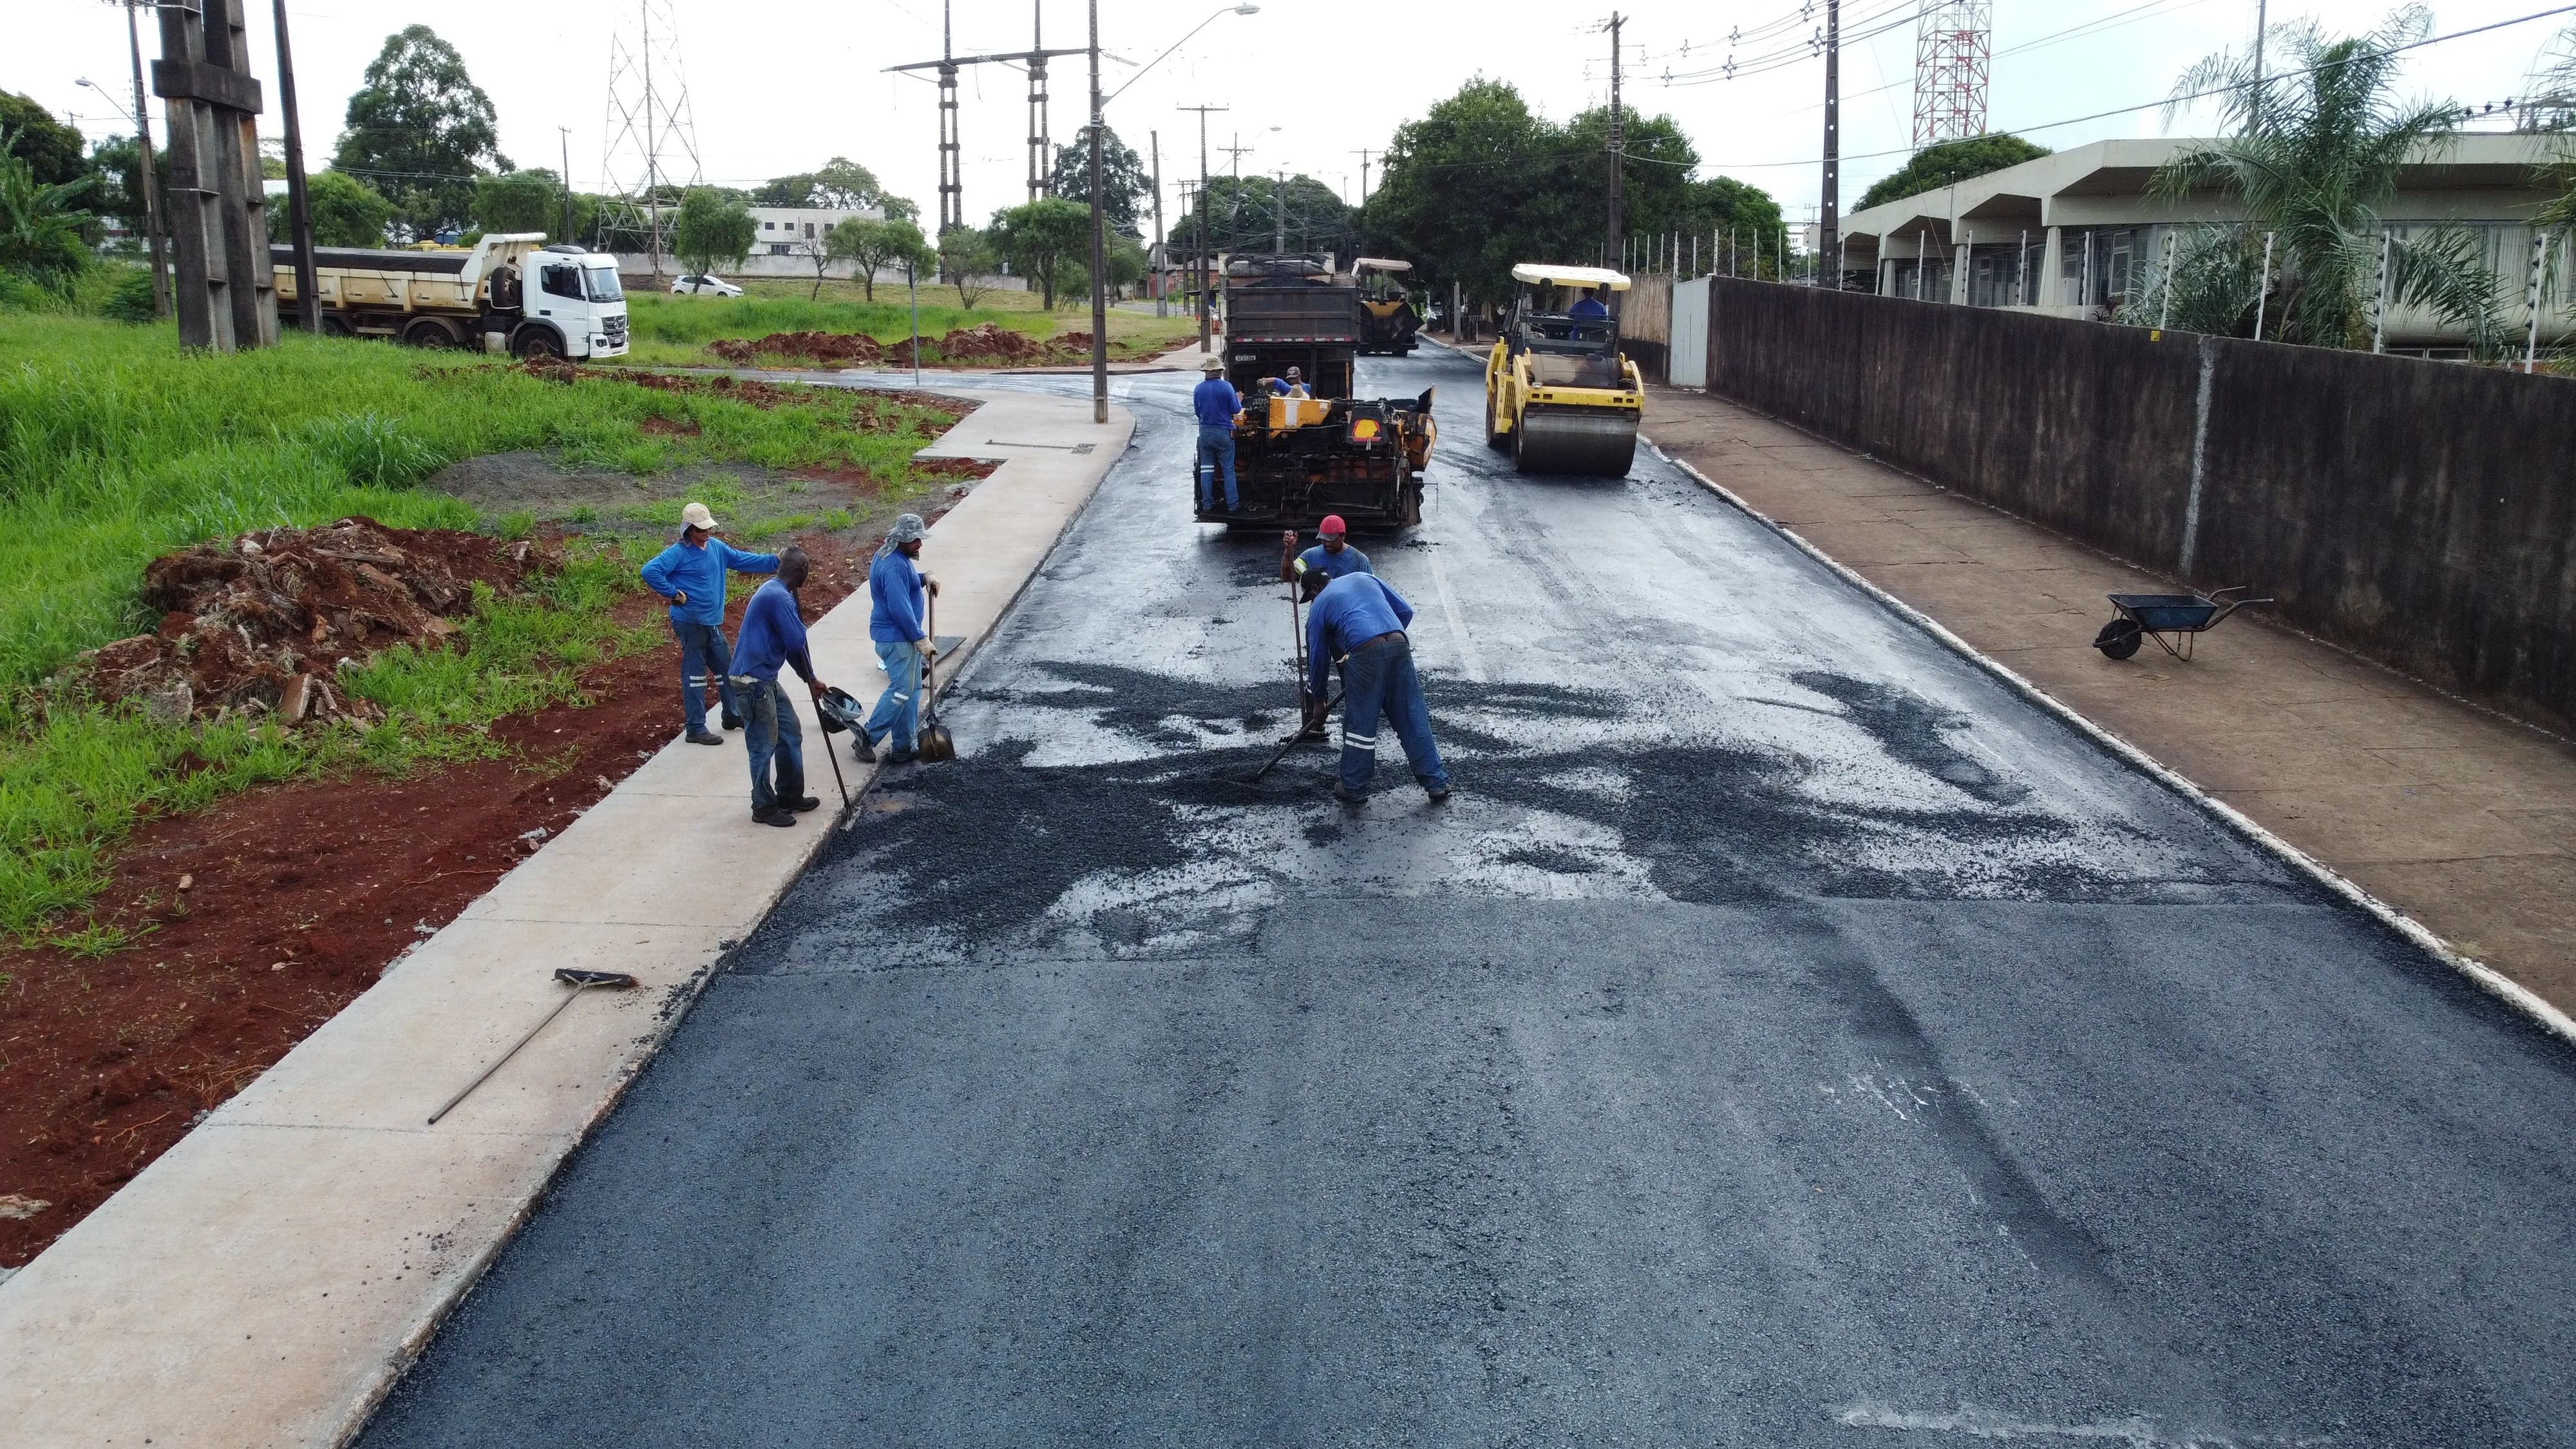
x: 862, y: 748
x: 1439, y: 794
x: 803, y: 804
x: 902, y: 757
x: 774, y: 815
x: 1347, y: 795
x: 732, y: 721
x: 703, y: 736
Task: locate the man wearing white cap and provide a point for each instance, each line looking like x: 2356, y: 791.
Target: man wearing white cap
x: 691, y: 574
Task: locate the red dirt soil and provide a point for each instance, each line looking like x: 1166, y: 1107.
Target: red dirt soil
x: 271, y: 911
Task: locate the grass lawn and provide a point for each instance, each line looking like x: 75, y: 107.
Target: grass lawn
x: 117, y: 446
x: 674, y: 331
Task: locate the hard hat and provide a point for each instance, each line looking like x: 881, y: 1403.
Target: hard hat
x: 1333, y: 524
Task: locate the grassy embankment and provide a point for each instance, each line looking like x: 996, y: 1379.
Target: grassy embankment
x: 117, y: 446
x: 674, y: 331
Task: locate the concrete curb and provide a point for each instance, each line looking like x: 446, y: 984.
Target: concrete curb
x: 2549, y: 1018
x: 267, y: 1281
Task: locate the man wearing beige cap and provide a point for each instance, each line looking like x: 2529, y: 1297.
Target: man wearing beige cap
x: 691, y: 574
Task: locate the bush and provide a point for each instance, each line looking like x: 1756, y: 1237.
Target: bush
x: 130, y: 299
x: 372, y: 451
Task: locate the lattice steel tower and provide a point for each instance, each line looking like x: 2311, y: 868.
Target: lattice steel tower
x: 651, y: 135
x: 1953, y: 51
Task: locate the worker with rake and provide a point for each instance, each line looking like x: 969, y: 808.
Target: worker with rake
x: 773, y: 634
x: 1332, y: 553
x: 1358, y: 622
x: 691, y: 574
x: 897, y: 604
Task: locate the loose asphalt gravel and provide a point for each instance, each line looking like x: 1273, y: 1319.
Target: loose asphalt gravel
x: 1786, y: 1036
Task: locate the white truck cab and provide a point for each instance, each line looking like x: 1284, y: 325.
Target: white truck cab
x: 576, y: 295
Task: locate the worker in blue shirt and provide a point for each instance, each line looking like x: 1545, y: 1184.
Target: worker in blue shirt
x: 897, y: 606
x: 1332, y: 553
x: 1589, y: 307
x: 1216, y: 402
x: 773, y: 634
x: 691, y: 574
x: 1359, y: 622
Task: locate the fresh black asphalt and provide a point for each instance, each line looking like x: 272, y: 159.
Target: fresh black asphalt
x: 1787, y: 1036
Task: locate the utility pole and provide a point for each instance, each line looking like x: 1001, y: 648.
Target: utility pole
x: 1364, y: 154
x: 2261, y: 23
x: 1618, y: 140
x: 152, y: 227
x: 1099, y: 246
x: 299, y: 212
x: 1829, y: 213
x: 1279, y: 214
x: 1041, y: 143
x: 652, y: 156
x: 227, y: 292
x: 1162, y: 306
x: 1200, y: 281
x: 565, y: 136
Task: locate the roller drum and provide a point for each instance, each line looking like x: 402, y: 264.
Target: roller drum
x: 1598, y: 442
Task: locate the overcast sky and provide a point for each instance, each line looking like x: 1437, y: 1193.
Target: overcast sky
x: 777, y: 89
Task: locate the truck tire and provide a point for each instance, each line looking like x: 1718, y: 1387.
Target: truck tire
x: 535, y: 342
x: 429, y: 332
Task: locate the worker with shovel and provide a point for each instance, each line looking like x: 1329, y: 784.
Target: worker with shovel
x: 691, y: 574
x: 773, y: 634
x: 1332, y: 553
x: 898, y: 601
x: 1358, y: 622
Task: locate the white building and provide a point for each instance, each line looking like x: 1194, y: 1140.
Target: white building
x: 789, y: 231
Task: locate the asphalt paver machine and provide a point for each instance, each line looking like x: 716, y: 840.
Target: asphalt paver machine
x: 1559, y: 394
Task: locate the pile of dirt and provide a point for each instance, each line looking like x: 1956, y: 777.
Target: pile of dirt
x: 260, y: 624
x: 1079, y: 341
x: 834, y: 347
x: 992, y: 341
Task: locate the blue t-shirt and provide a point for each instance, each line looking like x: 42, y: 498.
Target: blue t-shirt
x: 1352, y: 609
x: 1334, y: 565
x: 771, y: 635
x: 895, y: 599
x: 1588, y: 309
x: 700, y: 573
x: 1216, y: 402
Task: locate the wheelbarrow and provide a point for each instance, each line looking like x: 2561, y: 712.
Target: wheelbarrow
x: 2166, y: 618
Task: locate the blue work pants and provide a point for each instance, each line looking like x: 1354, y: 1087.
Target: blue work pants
x: 704, y: 655
x: 1216, y: 449
x: 772, y: 733
x: 898, y: 710
x: 1378, y: 681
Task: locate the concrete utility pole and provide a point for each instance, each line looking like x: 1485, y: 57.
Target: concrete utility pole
x: 1829, y: 212
x: 1234, y: 203
x: 564, y: 138
x: 1099, y: 246
x: 1162, y: 307
x: 1041, y: 142
x: 153, y: 227
x: 1364, y: 154
x: 227, y: 295
x: 299, y: 212
x: 1200, y: 281
x: 1279, y: 214
x: 2260, y: 25
x: 1618, y: 142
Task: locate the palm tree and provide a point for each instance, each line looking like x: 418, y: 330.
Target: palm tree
x: 2313, y: 155
x: 40, y: 233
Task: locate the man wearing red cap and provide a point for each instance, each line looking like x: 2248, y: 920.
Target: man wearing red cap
x: 1333, y: 554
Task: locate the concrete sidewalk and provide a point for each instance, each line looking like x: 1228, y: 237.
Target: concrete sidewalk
x: 265, y: 1281
x: 2461, y: 819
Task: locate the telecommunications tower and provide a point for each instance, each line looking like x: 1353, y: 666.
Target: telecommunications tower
x: 651, y: 136
x: 1953, y: 51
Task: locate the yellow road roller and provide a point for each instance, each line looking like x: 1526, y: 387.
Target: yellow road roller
x: 1558, y: 392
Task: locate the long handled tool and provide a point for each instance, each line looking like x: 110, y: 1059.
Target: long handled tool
x: 1290, y: 743
x: 935, y: 743
x: 839, y: 713
x: 580, y: 981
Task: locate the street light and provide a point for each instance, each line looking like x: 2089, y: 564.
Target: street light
x: 1099, y: 239
x: 104, y: 96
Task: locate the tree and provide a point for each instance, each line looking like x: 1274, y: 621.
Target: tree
x: 711, y: 229
x: 420, y: 131
x: 118, y: 163
x: 531, y: 200
x: 867, y: 245
x: 40, y: 230
x: 1123, y: 178
x: 842, y: 185
x: 2315, y: 151
x: 1044, y: 240
x: 50, y: 148
x: 346, y: 211
x: 1247, y: 215
x: 1939, y: 165
x: 967, y: 259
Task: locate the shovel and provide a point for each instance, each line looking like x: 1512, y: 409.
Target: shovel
x: 934, y: 744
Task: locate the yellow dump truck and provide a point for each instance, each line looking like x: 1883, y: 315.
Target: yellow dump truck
x: 1558, y: 392
x: 507, y: 293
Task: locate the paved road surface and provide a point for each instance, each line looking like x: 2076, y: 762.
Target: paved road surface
x: 1786, y: 1037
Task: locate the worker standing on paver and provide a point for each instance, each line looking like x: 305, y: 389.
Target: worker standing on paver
x: 1216, y: 403
x: 897, y: 607
x: 691, y: 574
x: 774, y: 634
x: 1332, y: 553
x: 1357, y: 621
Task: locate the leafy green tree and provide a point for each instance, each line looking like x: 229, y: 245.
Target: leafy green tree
x: 867, y: 245
x: 841, y: 185
x: 40, y: 229
x: 711, y: 229
x: 532, y: 200
x: 1124, y: 182
x: 346, y: 212
x: 50, y: 148
x: 967, y: 259
x: 420, y: 131
x: 2314, y: 153
x: 1044, y: 241
x: 1247, y: 216
x: 1939, y: 165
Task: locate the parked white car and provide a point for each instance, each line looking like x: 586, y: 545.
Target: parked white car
x: 705, y: 287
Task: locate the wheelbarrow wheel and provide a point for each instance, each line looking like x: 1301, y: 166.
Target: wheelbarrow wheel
x: 2119, y: 639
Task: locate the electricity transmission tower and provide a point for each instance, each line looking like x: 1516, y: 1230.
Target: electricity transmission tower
x: 952, y: 181
x: 652, y: 137
x: 1953, y: 51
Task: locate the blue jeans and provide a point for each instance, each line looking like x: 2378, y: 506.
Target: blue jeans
x: 772, y: 732
x: 1378, y: 681
x: 899, y: 708
x: 704, y: 655
x: 1216, y: 449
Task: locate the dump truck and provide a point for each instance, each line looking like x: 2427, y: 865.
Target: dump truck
x: 1559, y: 395
x: 507, y: 293
x: 1297, y: 459
x: 1388, y: 318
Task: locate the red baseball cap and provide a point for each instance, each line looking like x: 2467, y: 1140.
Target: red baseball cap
x: 1333, y: 524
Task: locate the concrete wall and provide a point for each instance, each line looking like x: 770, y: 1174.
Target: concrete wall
x: 2420, y: 513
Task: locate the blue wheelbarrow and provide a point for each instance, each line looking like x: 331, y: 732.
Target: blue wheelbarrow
x: 2166, y: 618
